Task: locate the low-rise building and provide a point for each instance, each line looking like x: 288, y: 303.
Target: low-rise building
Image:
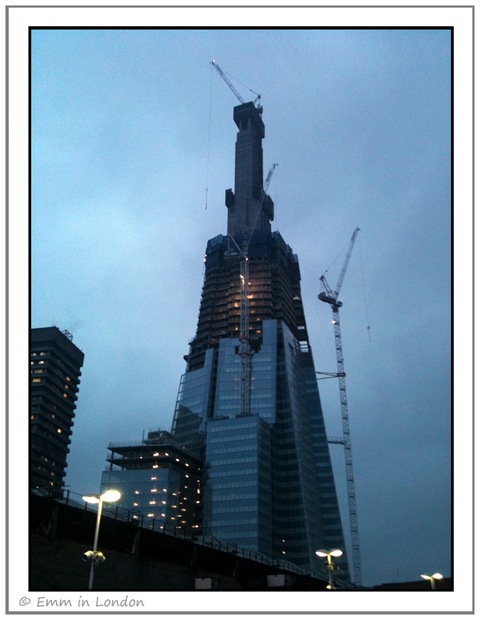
x: 159, y: 480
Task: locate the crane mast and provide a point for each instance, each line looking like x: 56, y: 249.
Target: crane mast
x: 245, y: 349
x: 331, y: 297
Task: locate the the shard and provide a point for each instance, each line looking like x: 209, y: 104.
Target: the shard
x: 269, y: 483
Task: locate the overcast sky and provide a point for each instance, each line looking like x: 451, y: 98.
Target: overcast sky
x: 130, y: 128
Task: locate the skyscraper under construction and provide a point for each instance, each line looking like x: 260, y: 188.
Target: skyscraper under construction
x: 248, y: 402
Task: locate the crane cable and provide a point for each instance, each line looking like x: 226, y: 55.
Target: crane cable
x: 364, y: 293
x: 244, y: 85
x: 207, y: 174
x: 342, y: 251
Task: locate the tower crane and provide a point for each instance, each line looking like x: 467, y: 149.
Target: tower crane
x: 245, y: 349
x: 330, y: 296
x: 234, y: 90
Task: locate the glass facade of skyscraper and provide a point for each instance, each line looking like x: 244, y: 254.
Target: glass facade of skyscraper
x: 248, y: 402
x: 269, y: 482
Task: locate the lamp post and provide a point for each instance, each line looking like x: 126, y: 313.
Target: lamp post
x: 335, y: 553
x: 95, y: 556
x: 432, y: 578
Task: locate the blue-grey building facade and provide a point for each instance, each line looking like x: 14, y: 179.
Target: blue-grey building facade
x: 268, y: 478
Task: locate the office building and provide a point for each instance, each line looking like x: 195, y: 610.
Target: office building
x: 160, y: 482
x: 249, y: 401
x: 55, y: 364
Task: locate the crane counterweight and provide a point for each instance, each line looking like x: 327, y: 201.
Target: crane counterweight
x: 328, y: 299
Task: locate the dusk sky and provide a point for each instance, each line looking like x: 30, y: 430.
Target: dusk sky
x: 132, y: 150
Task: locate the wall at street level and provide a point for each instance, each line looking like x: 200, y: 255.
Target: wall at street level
x: 60, y: 534
x: 138, y: 559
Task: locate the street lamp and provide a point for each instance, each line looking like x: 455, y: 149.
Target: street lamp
x: 333, y: 553
x: 432, y: 578
x: 95, y: 557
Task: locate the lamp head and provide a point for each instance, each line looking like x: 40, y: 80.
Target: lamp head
x: 91, y: 499
x: 334, y: 553
x: 434, y: 576
x: 321, y: 553
x: 110, y: 496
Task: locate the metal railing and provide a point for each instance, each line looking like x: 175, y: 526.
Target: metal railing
x: 163, y: 527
